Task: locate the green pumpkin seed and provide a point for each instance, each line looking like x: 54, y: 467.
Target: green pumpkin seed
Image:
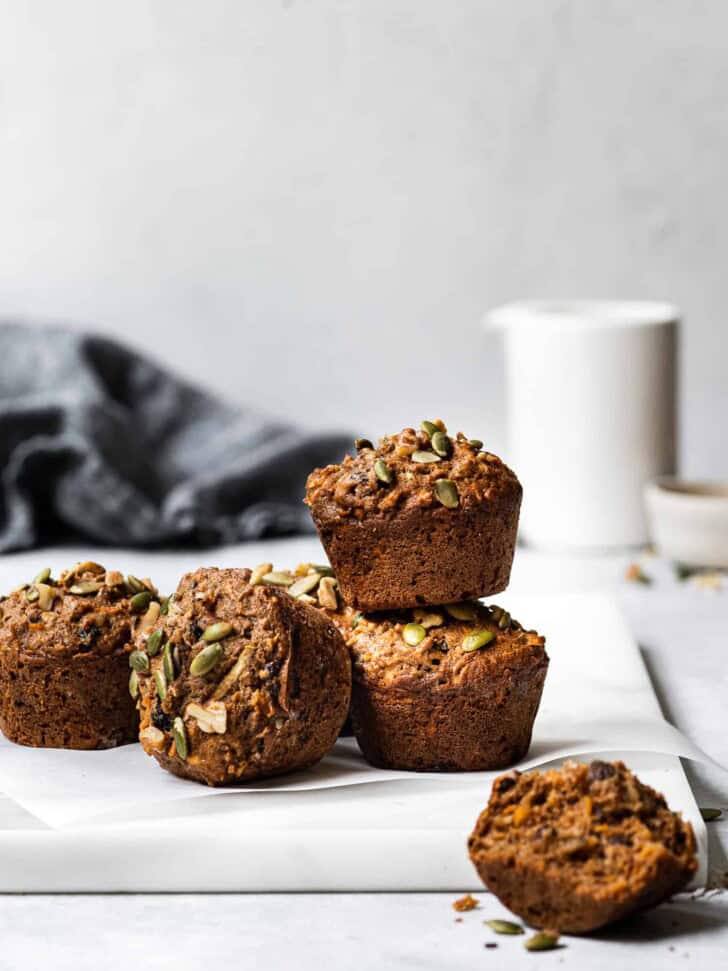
x: 413, y: 634
x: 154, y: 642
x: 206, y: 660
x: 134, y: 584
x: 168, y: 662
x: 31, y: 595
x: 425, y: 457
x: 43, y: 576
x: 160, y: 682
x: 134, y: 684
x: 441, y: 444
x: 462, y: 611
x: 323, y: 569
x: 429, y: 428
x: 361, y: 443
x: 541, y: 942
x: 180, y: 738
x: 139, y: 661
x: 304, y: 585
x: 383, y: 472
x: 85, y: 588
x: 140, y: 602
x: 277, y: 578
x: 446, y: 492
x: 505, y: 620
x: 710, y: 814
x: 475, y: 443
x: 164, y: 606
x: 476, y: 640
x: 504, y: 926
x: 217, y: 632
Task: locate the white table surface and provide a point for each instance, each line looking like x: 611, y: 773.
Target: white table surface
x: 684, y: 635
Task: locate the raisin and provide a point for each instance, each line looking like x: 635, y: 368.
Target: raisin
x: 160, y: 719
x: 599, y: 770
x: 506, y: 783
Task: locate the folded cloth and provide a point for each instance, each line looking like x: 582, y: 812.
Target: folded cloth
x: 97, y: 441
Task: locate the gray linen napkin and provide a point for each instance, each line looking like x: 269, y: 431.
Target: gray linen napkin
x: 97, y: 441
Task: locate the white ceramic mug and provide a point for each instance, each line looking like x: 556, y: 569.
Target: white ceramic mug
x: 590, y: 391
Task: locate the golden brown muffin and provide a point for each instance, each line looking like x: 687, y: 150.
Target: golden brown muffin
x: 422, y: 519
x: 64, y: 648
x: 239, y: 680
x: 575, y: 848
x: 445, y: 689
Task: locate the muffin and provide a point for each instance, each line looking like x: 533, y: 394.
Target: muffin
x: 239, y: 680
x: 447, y: 689
x: 575, y: 848
x: 64, y: 647
x: 421, y: 519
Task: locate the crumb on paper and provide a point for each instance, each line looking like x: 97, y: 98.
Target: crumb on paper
x: 468, y: 902
x: 635, y: 574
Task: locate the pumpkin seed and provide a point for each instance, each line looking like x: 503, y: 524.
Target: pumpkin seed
x: 258, y: 573
x: 31, y: 595
x: 167, y: 662
x: 160, y: 682
x: 139, y: 602
x: 277, y: 578
x: 134, y: 684
x: 134, y: 584
x: 304, y: 585
x: 85, y: 588
x: 113, y: 578
x: 151, y: 617
x: 87, y: 566
x: 46, y: 596
x: 206, y: 660
x: 462, y: 611
x: 383, y: 472
x: 429, y: 428
x: 154, y: 642
x: 323, y: 569
x: 504, y: 926
x: 475, y: 443
x: 446, y: 492
x: 139, y: 661
x: 476, y: 640
x: 43, y: 576
x: 541, y: 942
x: 413, y: 634
x: 505, y: 620
x: 441, y: 444
x: 216, y: 632
x: 425, y: 457
x: 361, y: 443
x: 180, y: 737
x: 327, y: 596
x: 164, y: 606
x: 710, y: 814
x: 427, y: 618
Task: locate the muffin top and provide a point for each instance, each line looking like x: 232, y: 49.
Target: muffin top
x: 218, y: 675
x: 464, y: 645
x: 412, y: 470
x: 88, y: 611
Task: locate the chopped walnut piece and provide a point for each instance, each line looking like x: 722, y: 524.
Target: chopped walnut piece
x: 468, y: 902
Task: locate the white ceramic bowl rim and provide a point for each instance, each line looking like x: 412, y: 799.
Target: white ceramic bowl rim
x: 701, y: 490
x: 573, y: 314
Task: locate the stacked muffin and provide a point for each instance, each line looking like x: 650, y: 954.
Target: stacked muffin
x: 416, y: 529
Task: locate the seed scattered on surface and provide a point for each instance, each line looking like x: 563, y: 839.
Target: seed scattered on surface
x: 710, y: 814
x: 361, y: 443
x: 31, y: 595
x: 413, y: 634
x: 164, y: 607
x: 277, y: 578
x: 304, y: 584
x: 154, y: 642
x: 327, y: 595
x: 151, y: 616
x: 168, y: 662
x: 216, y: 632
x: 258, y: 573
x: 476, y: 640
x: 446, y: 492
x: 505, y: 620
x: 462, y: 611
x: 206, y: 660
x: 140, y: 601
x: 636, y: 574
x: 85, y: 588
x: 134, y: 684
x: 383, y: 472
x: 429, y: 428
x: 160, y: 683
x: 441, y: 444
x: 475, y: 443
x: 180, y: 738
x: 43, y: 576
x: 423, y: 458
x: 541, y: 942
x: 504, y: 926
x: 135, y: 584
x: 139, y: 661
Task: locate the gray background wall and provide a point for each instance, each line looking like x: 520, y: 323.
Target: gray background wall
x: 309, y: 204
